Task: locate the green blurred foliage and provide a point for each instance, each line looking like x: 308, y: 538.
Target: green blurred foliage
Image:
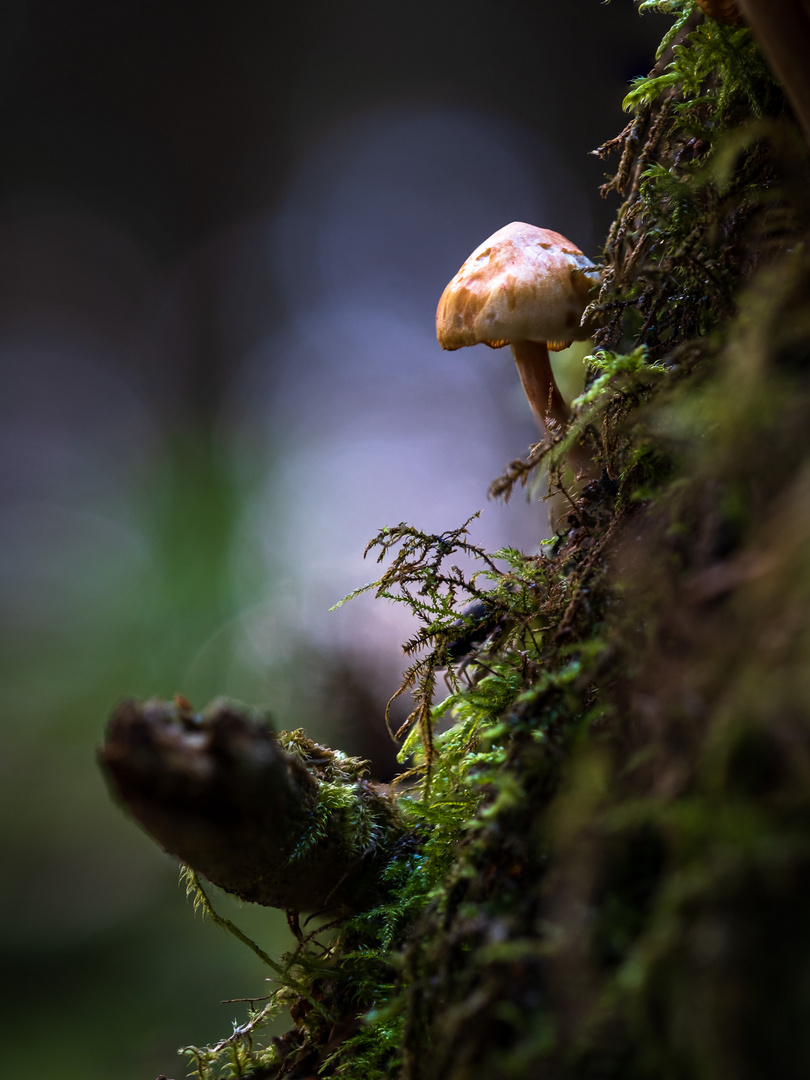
x: 102, y: 954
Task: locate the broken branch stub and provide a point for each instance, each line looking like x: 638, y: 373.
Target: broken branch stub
x: 277, y: 820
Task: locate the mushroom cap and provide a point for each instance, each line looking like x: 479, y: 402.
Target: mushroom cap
x: 521, y: 284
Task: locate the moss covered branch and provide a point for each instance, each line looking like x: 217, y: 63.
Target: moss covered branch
x: 279, y: 821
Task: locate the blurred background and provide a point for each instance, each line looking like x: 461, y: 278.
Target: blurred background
x: 224, y: 230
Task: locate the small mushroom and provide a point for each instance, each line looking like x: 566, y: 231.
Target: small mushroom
x: 525, y: 287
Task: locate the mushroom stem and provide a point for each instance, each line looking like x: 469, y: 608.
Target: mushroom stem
x: 544, y: 397
x: 542, y: 392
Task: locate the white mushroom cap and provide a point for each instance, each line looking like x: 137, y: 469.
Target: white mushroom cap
x: 522, y: 284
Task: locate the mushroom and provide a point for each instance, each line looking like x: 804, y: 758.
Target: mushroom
x: 525, y: 287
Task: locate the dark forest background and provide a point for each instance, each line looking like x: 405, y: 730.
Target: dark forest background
x: 223, y: 233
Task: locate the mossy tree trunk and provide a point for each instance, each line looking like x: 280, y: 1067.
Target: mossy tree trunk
x: 605, y: 870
